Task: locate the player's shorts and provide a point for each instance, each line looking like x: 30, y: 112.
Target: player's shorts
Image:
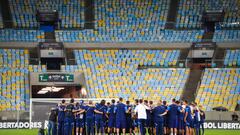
x: 181, y: 124
x: 148, y: 121
x: 99, y: 122
x: 111, y: 122
x: 173, y: 123
x: 120, y: 123
x: 196, y: 124
x: 165, y: 124
x: 189, y: 123
x: 135, y: 123
x: 80, y: 123
x: 129, y: 123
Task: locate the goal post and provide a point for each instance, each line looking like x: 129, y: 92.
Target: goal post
x: 40, y: 107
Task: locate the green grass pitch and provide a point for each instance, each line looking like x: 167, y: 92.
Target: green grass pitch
x: 35, y: 131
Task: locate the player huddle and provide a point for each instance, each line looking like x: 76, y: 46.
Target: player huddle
x: 139, y: 118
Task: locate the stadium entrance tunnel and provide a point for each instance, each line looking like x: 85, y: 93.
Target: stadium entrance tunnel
x: 60, y: 91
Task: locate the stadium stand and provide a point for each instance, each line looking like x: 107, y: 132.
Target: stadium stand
x: 11, y: 35
x: 190, y: 12
x: 1, y: 19
x: 129, y: 35
x: 232, y: 13
x: 131, y: 14
x: 14, y: 58
x: 232, y: 58
x: 23, y: 13
x: 14, y: 79
x: 115, y: 73
x: 71, y: 12
x: 226, y: 36
x: 219, y: 87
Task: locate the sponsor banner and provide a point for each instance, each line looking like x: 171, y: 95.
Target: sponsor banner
x: 23, y: 125
x: 56, y: 78
x: 227, y: 125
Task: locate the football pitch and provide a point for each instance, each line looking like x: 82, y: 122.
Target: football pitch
x: 35, y: 131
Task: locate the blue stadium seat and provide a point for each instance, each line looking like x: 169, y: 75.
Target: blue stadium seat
x: 12, y: 35
x: 226, y: 36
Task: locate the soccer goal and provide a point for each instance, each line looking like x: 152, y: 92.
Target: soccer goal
x: 40, y: 107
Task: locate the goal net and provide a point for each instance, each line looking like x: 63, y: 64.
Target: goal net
x: 40, y: 107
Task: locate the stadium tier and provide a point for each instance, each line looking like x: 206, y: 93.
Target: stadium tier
x: 149, y: 84
x: 12, y: 35
x: 15, y: 58
x: 226, y: 36
x: 113, y: 59
x: 190, y: 12
x: 129, y: 35
x: 115, y: 73
x: 219, y: 87
x: 15, y: 88
x: 232, y: 58
x: 71, y: 12
x: 131, y: 14
x: 14, y: 79
x: 23, y: 13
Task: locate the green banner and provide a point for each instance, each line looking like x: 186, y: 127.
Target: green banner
x: 56, y: 78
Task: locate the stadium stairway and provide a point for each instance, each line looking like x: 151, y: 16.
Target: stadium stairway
x: 172, y: 14
x: 89, y: 14
x: 208, y: 36
x: 183, y: 54
x: 219, y: 57
x: 6, y: 14
x: 192, y: 83
x: 50, y: 36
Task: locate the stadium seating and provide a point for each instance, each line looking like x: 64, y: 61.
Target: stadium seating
x: 226, y: 36
x: 232, y: 13
x: 1, y: 19
x: 14, y: 79
x: 232, y: 58
x: 129, y: 35
x: 23, y: 13
x: 219, y: 87
x: 71, y: 12
x: 15, y: 58
x: 114, y: 73
x: 190, y: 12
x: 131, y: 14
x: 15, y: 88
x: 12, y: 35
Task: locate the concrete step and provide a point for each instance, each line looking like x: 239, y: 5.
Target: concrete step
x: 89, y: 14
x: 191, y: 87
x: 172, y: 14
x: 6, y: 14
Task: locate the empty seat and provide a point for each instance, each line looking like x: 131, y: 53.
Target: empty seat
x: 219, y: 87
